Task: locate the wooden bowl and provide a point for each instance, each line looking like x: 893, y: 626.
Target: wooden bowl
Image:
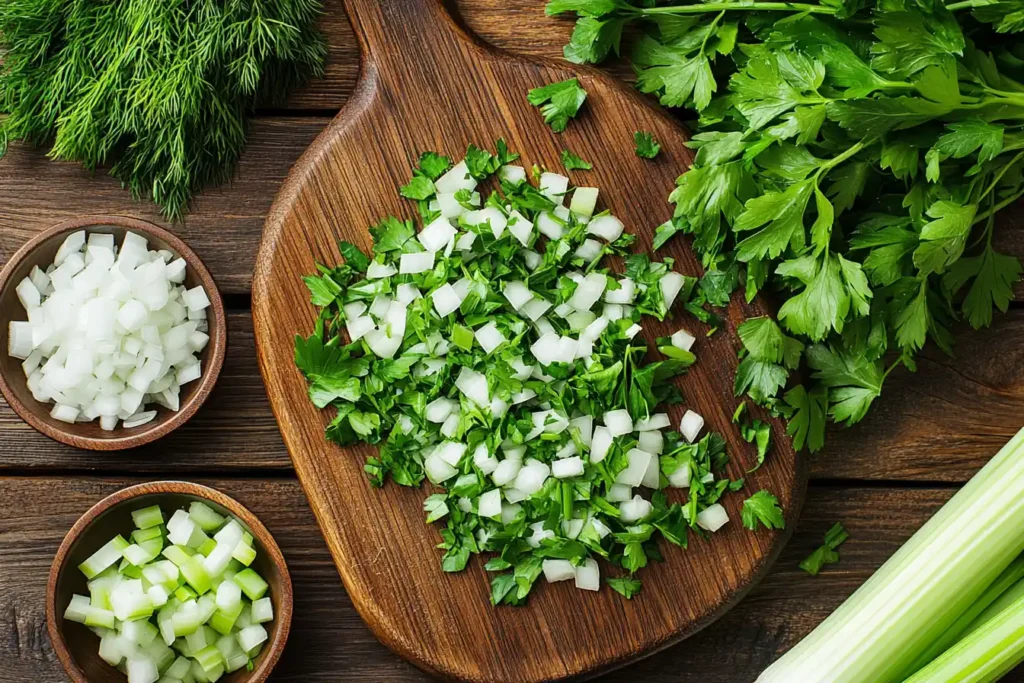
x: 40, y: 250
x: 78, y: 647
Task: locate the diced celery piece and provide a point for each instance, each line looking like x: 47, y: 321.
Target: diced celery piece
x: 196, y: 640
x: 111, y: 651
x: 95, y: 616
x: 158, y: 595
x: 247, y: 538
x: 209, y: 658
x: 129, y: 570
x: 148, y: 517
x: 78, y: 609
x: 176, y: 554
x: 244, y: 618
x: 229, y: 596
x: 140, y: 632
x: 167, y: 632
x: 262, y: 611
x: 140, y: 535
x: 104, y: 557
x: 141, y: 669
x: 163, y: 573
x: 207, y: 547
x: 244, y: 554
x: 162, y: 655
x: 99, y: 591
x: 228, y: 646
x: 198, y: 539
x: 251, y: 583
x: 179, y: 669
x: 251, y: 637
x: 187, y: 618
x: 184, y: 593
x: 198, y: 673
x: 207, y: 606
x: 196, y: 575
x: 205, y: 516
x: 140, y: 554
x: 236, y: 662
x: 222, y: 622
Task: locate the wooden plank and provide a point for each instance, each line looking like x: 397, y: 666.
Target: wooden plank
x: 939, y: 424
x: 330, y: 643
x: 223, y: 228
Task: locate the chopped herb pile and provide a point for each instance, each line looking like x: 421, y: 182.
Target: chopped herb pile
x: 851, y: 157
x: 558, y: 102
x: 469, y: 353
x: 828, y: 552
x: 159, y: 91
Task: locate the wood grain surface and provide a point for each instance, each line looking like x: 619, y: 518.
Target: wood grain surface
x: 330, y: 643
x: 467, y: 93
x: 937, y: 426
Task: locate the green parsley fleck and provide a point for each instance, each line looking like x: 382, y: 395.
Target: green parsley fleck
x: 572, y: 162
x: 646, y: 146
x: 558, y: 102
x: 828, y: 552
x: 762, y: 507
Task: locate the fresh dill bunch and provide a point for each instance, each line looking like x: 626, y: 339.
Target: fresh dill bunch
x: 159, y: 91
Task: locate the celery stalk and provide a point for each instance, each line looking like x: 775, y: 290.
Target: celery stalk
x: 992, y: 598
x: 984, y: 655
x: 1008, y: 597
x: 883, y: 628
x: 251, y: 583
x: 205, y: 516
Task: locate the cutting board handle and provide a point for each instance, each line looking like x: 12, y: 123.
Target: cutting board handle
x: 397, y: 30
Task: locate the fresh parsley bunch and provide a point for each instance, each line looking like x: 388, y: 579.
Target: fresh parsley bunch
x: 159, y: 90
x: 412, y: 399
x: 851, y: 157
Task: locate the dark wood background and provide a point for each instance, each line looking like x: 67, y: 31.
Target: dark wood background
x: 927, y: 435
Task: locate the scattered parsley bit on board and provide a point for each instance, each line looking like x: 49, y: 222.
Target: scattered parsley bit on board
x: 828, y: 552
x: 762, y: 507
x: 646, y: 146
x: 573, y: 162
x: 558, y: 102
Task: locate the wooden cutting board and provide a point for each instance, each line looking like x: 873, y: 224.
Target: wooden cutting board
x: 426, y: 85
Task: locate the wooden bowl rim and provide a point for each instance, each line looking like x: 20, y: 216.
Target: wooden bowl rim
x: 215, y: 359
x: 271, y: 654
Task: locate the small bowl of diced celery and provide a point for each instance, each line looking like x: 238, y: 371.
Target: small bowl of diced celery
x: 169, y: 581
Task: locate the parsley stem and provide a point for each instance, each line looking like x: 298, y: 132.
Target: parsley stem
x: 1000, y: 206
x: 967, y: 4
x: 742, y: 6
x: 999, y: 176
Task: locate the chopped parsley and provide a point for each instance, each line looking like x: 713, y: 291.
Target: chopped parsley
x: 573, y: 162
x: 646, y: 146
x: 558, y: 102
x: 828, y: 552
x: 468, y: 353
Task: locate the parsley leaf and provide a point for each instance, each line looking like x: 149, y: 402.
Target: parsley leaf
x: 762, y: 507
x: 646, y: 146
x: 627, y: 586
x: 558, y: 102
x: 573, y: 162
x: 827, y: 553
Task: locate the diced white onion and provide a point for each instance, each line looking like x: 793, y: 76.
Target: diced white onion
x: 606, y: 226
x: 638, y: 462
x: 584, y: 199
x: 416, y: 262
x: 549, y: 226
x: 619, y: 493
x: 712, y: 518
x: 618, y: 422
x: 671, y: 284
x: 512, y: 174
x: 436, y: 236
x: 553, y: 186
x: 489, y: 504
x: 474, y: 386
x: 636, y: 509
x: 567, y: 467
x: 535, y: 308
x: 446, y: 300
x: 520, y: 227
x: 489, y: 337
x: 690, y: 426
x: 495, y: 218
x: 683, y: 340
x: 624, y: 294
x: 517, y: 293
x: 558, y: 570
x: 602, y: 441
x: 588, y: 575
x: 455, y: 179
x: 656, y: 421
x: 379, y: 271
x: 652, y: 442
x: 506, y: 471
x: 589, y: 250
x: 632, y: 331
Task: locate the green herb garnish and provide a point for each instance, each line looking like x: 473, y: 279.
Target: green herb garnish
x: 828, y: 552
x: 646, y: 146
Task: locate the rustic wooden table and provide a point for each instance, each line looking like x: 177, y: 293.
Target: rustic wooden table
x: 927, y: 435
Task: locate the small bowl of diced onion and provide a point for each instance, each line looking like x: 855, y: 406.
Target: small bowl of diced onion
x: 169, y: 581
x: 112, y: 332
